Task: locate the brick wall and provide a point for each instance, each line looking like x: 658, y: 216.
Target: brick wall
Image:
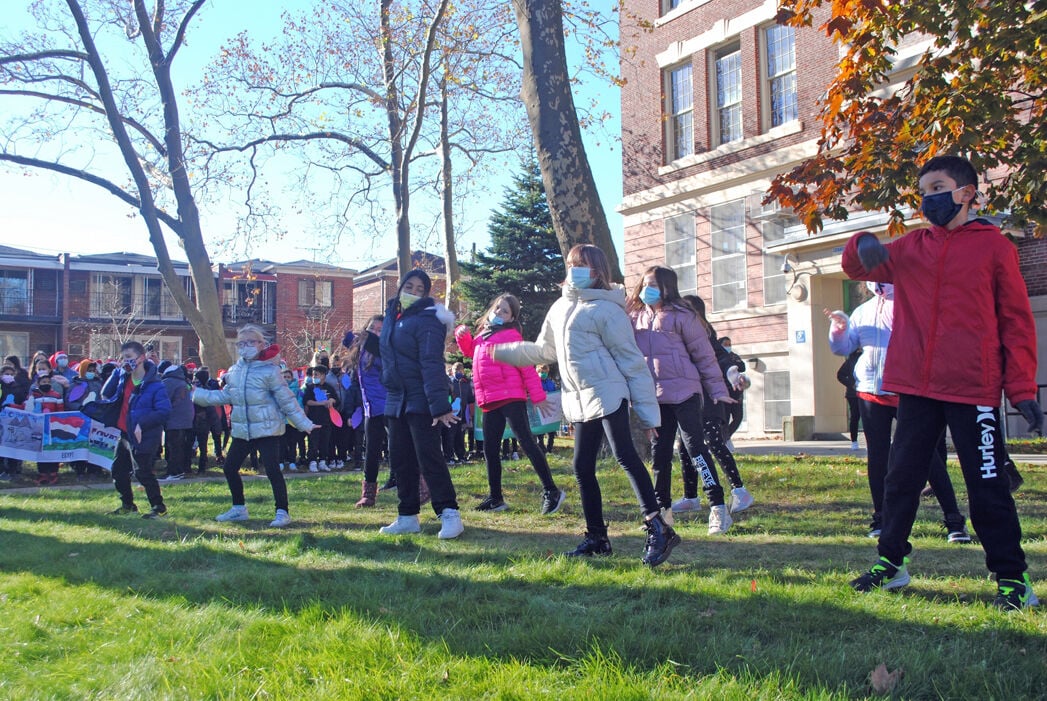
x: 1032, y: 255
x: 643, y: 128
x: 293, y: 321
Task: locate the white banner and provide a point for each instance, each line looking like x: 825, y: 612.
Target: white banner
x: 61, y: 436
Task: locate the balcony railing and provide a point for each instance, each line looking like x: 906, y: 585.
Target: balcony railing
x: 34, y: 303
x: 237, y: 314
x: 121, y: 305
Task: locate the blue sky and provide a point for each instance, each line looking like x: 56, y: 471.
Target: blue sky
x: 52, y: 214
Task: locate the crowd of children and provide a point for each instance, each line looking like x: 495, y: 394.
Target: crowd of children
x: 649, y: 355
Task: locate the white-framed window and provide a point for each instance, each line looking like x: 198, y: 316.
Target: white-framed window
x: 679, y: 109
x: 14, y: 292
x: 728, y: 94
x: 776, y: 399
x: 15, y: 343
x: 774, y: 279
x: 314, y: 293
x: 680, y: 251
x: 780, y: 75
x: 112, y: 295
x: 728, y: 256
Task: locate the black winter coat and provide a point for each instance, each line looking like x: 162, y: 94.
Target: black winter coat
x: 412, y: 346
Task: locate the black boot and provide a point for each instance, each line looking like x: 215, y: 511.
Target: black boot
x: 661, y: 539
x: 592, y: 545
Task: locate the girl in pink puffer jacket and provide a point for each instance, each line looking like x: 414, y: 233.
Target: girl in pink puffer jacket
x: 502, y: 391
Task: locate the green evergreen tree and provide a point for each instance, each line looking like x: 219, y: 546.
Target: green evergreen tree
x: 524, y: 258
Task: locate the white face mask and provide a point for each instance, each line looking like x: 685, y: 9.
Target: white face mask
x: 248, y: 352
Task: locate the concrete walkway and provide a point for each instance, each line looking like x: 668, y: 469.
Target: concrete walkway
x: 831, y: 447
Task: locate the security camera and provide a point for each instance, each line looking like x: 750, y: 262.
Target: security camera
x: 786, y: 268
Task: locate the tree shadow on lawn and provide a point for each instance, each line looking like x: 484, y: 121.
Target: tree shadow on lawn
x: 555, y: 615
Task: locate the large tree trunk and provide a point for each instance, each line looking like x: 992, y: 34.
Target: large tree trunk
x: 206, y: 314
x: 574, y: 203
x: 450, y: 255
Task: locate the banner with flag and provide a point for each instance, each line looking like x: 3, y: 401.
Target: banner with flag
x: 61, y: 436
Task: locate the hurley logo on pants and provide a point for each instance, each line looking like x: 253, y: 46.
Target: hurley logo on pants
x: 987, y: 423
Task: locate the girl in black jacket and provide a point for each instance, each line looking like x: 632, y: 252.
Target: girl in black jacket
x: 412, y: 344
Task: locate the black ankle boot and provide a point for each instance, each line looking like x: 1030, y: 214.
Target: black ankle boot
x: 661, y: 539
x: 592, y: 545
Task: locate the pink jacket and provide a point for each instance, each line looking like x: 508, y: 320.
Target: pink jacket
x: 494, y: 381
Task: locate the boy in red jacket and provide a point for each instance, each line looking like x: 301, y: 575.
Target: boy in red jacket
x: 963, y: 332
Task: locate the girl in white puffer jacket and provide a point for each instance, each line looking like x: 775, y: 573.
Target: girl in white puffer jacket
x: 589, y: 334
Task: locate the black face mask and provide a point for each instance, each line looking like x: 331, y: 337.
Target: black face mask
x: 940, y: 208
x: 45, y: 388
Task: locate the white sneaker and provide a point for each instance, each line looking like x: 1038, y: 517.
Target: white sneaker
x: 855, y: 446
x: 667, y: 516
x: 684, y: 505
x: 282, y: 467
x: 719, y: 520
x: 237, y: 513
x: 312, y: 467
x: 741, y: 499
x: 323, y: 466
x: 401, y: 526
x: 282, y: 520
x: 452, y: 524
x: 338, y: 464
x: 730, y: 445
x: 516, y: 456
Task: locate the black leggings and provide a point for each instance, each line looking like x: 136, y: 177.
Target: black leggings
x: 494, y: 425
x: 687, y: 415
x: 269, y: 451
x: 588, y: 436
x: 717, y: 444
x: 375, y: 428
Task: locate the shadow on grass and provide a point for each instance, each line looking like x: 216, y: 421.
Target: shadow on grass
x: 466, y: 595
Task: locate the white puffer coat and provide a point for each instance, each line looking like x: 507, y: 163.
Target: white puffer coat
x: 260, y: 397
x: 589, y: 334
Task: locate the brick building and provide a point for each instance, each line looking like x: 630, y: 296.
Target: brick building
x: 86, y: 305
x: 718, y: 99
x: 374, y: 286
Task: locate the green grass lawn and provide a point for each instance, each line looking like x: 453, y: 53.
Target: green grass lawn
x: 106, y: 607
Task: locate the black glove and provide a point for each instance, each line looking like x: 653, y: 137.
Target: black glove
x: 1032, y: 413
x: 871, y: 252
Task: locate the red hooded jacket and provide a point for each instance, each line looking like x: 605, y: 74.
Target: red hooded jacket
x: 963, y: 327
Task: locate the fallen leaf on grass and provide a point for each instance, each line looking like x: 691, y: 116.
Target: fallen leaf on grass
x: 883, y: 682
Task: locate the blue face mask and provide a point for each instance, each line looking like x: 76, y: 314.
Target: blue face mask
x: 580, y: 278
x: 940, y: 208
x: 89, y: 376
x: 650, y: 295
x: 495, y: 320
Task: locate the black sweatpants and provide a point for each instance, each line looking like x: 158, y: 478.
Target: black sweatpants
x: 415, y: 447
x: 975, y: 433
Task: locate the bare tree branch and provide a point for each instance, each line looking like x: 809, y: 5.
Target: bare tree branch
x: 108, y: 185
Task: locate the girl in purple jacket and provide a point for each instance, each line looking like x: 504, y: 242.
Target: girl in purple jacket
x: 676, y: 345
x: 502, y: 391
